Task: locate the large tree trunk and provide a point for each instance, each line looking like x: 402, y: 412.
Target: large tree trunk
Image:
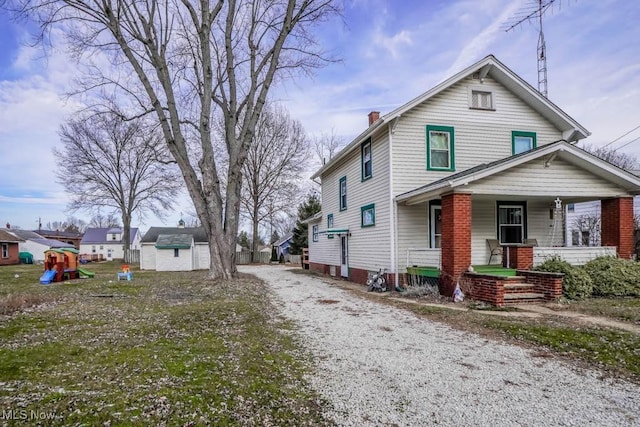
x: 126, y: 233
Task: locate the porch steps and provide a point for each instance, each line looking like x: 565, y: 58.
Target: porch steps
x: 521, y: 293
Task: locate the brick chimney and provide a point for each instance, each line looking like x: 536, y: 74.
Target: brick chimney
x: 8, y: 226
x: 373, y: 116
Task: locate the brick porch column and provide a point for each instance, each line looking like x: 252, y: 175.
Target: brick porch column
x: 456, y: 240
x: 617, y: 225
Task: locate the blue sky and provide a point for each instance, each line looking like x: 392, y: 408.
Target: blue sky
x: 390, y: 52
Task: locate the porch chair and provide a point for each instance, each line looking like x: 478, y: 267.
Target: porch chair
x: 531, y: 242
x: 494, y: 249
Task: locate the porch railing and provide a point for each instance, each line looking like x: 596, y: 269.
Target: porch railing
x: 573, y: 255
x: 424, y: 257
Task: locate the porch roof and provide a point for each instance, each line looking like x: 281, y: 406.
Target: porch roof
x: 626, y: 181
x: 338, y: 231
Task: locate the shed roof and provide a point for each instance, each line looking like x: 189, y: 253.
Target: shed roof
x: 174, y: 241
x: 198, y: 233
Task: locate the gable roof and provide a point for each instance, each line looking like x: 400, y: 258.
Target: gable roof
x: 174, y: 241
x: 7, y: 237
x: 561, y: 148
x: 32, y: 236
x: 489, y: 65
x: 198, y: 233
x: 284, y: 240
x: 58, y: 233
x: 99, y: 235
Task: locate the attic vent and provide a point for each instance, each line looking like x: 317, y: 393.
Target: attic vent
x: 482, y: 100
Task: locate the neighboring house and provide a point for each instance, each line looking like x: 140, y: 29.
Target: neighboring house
x: 70, y: 237
x: 175, y: 249
x: 108, y: 242
x: 9, y: 248
x: 35, y: 244
x: 583, y: 222
x: 481, y: 156
x: 282, y: 246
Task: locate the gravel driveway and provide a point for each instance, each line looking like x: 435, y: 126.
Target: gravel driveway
x: 379, y: 365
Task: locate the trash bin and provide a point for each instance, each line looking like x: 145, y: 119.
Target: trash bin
x: 26, y: 257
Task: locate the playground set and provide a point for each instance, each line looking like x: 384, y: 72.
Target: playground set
x: 62, y: 264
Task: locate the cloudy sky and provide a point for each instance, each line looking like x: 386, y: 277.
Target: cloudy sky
x: 390, y: 51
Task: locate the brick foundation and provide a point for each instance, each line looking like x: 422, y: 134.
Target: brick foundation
x: 356, y: 275
x: 617, y: 225
x: 456, y: 240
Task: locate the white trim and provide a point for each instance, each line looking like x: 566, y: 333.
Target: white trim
x: 483, y: 89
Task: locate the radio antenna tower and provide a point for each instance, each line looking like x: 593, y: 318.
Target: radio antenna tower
x: 529, y: 14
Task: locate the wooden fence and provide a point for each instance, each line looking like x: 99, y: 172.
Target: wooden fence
x: 245, y: 257
x: 132, y: 256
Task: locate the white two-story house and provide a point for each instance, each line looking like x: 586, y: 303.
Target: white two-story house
x: 481, y: 157
x: 108, y: 242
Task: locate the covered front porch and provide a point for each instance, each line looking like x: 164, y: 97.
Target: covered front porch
x: 511, y: 213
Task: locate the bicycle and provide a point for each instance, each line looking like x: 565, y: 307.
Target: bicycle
x: 377, y: 281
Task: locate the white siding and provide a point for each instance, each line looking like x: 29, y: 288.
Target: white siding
x: 36, y: 249
x: 590, y: 209
x: 540, y: 224
x: 414, y: 234
x: 561, y: 179
x: 103, y: 248
x: 165, y: 261
x: 369, y: 247
x: 201, y: 256
x: 483, y: 227
x: 479, y: 136
x: 574, y: 256
x: 148, y: 256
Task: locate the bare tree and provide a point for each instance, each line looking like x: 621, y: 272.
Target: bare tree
x: 286, y: 222
x: 71, y: 224
x: 118, y: 165
x: 100, y: 220
x: 275, y: 163
x: 622, y: 160
x: 327, y: 145
x: 589, y: 227
x: 188, y: 59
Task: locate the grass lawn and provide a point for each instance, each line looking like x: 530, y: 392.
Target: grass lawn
x: 165, y: 348
x: 625, y: 309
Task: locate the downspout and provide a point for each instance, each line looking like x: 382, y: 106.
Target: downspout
x: 393, y: 230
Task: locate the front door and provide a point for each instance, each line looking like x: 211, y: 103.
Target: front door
x: 344, y: 257
x: 435, y: 222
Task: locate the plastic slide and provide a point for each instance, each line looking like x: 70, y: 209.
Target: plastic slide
x: 47, y: 277
x: 84, y: 272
